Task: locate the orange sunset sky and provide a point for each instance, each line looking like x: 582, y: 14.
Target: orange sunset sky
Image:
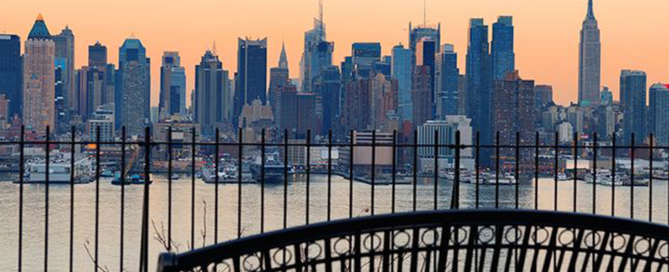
x: 635, y: 33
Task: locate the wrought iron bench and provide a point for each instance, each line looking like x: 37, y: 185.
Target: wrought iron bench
x: 453, y: 240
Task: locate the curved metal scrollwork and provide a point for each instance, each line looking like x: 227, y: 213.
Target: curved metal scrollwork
x: 469, y: 240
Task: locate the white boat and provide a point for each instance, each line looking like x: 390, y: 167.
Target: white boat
x: 562, y: 177
x: 60, y: 170
x: 603, y: 177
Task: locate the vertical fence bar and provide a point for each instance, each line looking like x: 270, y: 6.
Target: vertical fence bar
x: 613, y: 175
x: 217, y: 166
x: 122, y: 177
x: 394, y: 176
x: 373, y: 172
x: 21, y: 173
x: 72, y: 154
x: 329, y: 174
x: 285, y: 178
x: 497, y: 170
x: 169, y: 189
x: 650, y: 178
x: 239, y: 184
x: 308, y: 176
x: 192, y: 190
x: 632, y: 155
x: 46, y: 204
x: 536, y: 171
x: 436, y: 169
x: 351, y: 174
x: 144, y: 261
x: 456, y: 184
x: 415, y: 167
x: 97, y: 198
x: 262, y: 182
x: 477, y: 167
x: 556, y: 170
x: 517, y: 167
x: 576, y: 169
x: 594, y: 166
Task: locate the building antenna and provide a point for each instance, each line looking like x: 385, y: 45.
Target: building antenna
x: 321, y: 23
x: 424, y: 13
x: 213, y: 48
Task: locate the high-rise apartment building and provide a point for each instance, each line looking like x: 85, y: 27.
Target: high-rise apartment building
x: 502, y: 52
x: 402, y: 71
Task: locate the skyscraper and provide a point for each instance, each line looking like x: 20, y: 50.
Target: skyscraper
x: 421, y: 32
x: 317, y: 53
x: 11, y: 72
x: 133, y: 92
x: 502, y: 54
x: 65, y: 52
x: 365, y: 55
x: 513, y: 112
x: 278, y: 77
x: 589, y: 64
x: 39, y: 78
x: 446, y: 83
x: 426, y: 53
x: 328, y: 88
x: 213, y: 98
x: 401, y: 70
x: 172, y: 86
x: 421, y: 95
x: 659, y: 113
x: 543, y: 95
x: 97, y: 55
x: 479, y: 83
x: 251, y: 80
x: 633, y: 104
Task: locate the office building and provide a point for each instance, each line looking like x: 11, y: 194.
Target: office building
x: 251, y: 78
x: 502, y: 52
x: 133, y: 92
x: 39, y: 79
x: 11, y: 73
x: 446, y: 82
x: 65, y: 52
x: 659, y: 113
x: 633, y: 105
x: 589, y: 64
x: 479, y: 83
x: 421, y: 95
x: 172, y: 86
x: 212, y: 96
x: 402, y: 71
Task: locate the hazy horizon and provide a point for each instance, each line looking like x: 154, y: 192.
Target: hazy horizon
x: 547, y: 32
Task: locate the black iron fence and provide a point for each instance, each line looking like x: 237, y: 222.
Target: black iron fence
x: 502, y: 180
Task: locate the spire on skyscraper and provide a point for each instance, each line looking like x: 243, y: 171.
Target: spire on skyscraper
x: 39, y: 30
x: 283, y: 59
x: 591, y: 12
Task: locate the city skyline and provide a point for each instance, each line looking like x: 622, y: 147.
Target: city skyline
x: 556, y: 31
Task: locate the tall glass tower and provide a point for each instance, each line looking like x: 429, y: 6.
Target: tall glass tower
x: 11, y: 72
x: 251, y: 80
x: 503, y: 56
x: 133, y: 92
x: 479, y: 83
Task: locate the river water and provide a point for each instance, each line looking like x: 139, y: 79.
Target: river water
x: 110, y: 205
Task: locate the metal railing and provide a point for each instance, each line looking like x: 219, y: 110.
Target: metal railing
x: 455, y: 240
x: 387, y: 191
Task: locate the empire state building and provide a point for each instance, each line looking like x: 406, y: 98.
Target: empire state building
x: 589, y: 65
